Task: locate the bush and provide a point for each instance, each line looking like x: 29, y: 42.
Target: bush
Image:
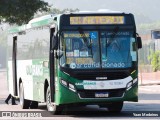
x: 155, y: 59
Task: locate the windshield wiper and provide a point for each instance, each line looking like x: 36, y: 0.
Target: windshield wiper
x: 115, y: 30
x: 80, y: 30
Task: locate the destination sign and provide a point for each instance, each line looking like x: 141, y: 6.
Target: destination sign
x: 88, y: 20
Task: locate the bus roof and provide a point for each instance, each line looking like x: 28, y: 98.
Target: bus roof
x: 98, y: 11
x: 36, y: 22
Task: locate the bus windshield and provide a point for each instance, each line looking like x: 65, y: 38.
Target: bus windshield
x: 88, y: 50
x: 117, y: 49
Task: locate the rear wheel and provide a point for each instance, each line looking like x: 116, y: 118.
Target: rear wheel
x: 51, y: 107
x: 115, y: 107
x: 23, y: 102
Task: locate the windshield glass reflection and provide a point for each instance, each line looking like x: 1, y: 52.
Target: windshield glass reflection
x: 116, y: 51
x: 81, y: 50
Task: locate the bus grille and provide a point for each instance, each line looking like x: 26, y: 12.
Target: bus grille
x: 91, y: 93
x: 109, y: 75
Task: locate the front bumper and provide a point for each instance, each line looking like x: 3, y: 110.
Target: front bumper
x: 67, y: 96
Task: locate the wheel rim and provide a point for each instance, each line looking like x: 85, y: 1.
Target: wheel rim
x: 49, y: 105
x: 48, y: 98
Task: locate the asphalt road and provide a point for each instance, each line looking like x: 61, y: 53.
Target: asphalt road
x: 149, y: 102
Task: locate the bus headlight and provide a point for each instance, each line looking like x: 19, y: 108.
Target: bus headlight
x: 71, y: 87
x: 135, y: 80
x: 68, y: 85
x: 64, y: 82
x: 129, y: 85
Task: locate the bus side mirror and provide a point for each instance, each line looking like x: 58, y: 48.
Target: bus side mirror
x: 55, y: 42
x: 59, y: 53
x: 139, y: 42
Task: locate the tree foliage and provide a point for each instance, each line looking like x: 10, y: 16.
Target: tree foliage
x: 147, y: 27
x: 20, y: 11
x: 155, y: 60
x: 58, y: 11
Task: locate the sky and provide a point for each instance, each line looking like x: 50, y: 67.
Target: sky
x: 149, y: 8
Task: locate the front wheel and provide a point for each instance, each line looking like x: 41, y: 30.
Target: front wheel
x: 51, y: 107
x: 23, y: 102
x: 115, y: 107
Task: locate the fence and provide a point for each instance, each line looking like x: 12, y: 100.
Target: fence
x: 144, y: 62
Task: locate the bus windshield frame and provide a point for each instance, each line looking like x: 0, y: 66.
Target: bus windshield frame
x: 77, y: 59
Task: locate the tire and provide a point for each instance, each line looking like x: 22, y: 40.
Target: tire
x: 34, y: 105
x: 115, y: 107
x: 51, y: 107
x: 23, y: 102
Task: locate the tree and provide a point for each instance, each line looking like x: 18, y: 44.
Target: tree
x: 155, y: 60
x: 58, y: 11
x: 20, y: 11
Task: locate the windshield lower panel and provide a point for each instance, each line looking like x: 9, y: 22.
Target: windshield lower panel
x: 93, y: 49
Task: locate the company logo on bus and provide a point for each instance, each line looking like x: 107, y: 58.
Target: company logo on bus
x: 35, y: 70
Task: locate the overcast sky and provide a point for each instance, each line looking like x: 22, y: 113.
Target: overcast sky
x: 150, y: 8
x: 101, y: 4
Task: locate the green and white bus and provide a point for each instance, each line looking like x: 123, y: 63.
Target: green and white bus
x: 81, y: 58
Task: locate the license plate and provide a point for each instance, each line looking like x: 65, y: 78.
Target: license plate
x: 101, y: 94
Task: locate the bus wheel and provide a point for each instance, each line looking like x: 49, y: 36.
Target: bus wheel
x: 115, y: 107
x: 34, y: 105
x: 51, y: 107
x: 23, y: 102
